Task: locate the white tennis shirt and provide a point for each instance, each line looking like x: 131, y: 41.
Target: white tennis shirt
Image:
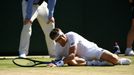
x: 85, y: 49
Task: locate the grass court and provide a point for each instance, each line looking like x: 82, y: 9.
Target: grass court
x: 8, y: 68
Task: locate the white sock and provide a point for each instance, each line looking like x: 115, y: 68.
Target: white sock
x: 98, y: 63
x: 128, y: 48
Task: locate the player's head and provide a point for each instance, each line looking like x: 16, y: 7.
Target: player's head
x: 56, y: 33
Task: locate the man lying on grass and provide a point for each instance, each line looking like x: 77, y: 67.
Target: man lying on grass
x: 75, y: 50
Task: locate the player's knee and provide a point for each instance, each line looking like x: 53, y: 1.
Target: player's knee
x: 112, y: 58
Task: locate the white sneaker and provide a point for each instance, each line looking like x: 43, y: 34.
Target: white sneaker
x: 23, y: 55
x: 117, y: 52
x: 129, y: 53
x: 124, y: 61
x: 98, y: 63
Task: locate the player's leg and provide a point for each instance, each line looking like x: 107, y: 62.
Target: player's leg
x: 93, y: 57
x: 105, y: 55
x: 110, y: 57
x: 130, y: 39
x: 43, y: 18
x: 114, y: 59
x: 26, y: 31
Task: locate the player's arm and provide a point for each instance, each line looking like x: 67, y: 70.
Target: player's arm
x: 51, y: 6
x: 72, y: 54
x: 73, y: 47
x: 60, y: 62
x: 29, y: 11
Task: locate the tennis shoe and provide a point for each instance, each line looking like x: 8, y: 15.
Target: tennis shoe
x: 124, y: 61
x: 117, y: 52
x: 23, y: 55
x: 129, y: 53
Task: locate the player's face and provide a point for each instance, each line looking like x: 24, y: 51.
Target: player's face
x: 61, y: 40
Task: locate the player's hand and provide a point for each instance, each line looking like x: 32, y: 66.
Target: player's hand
x: 69, y: 58
x: 51, y: 65
x: 51, y: 20
x: 27, y: 21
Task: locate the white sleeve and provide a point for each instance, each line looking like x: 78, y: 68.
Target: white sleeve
x: 73, y: 40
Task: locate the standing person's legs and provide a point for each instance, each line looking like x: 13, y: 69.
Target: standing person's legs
x: 26, y: 31
x: 43, y: 18
x: 130, y: 39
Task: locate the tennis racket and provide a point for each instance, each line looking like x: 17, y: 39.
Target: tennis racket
x: 27, y: 62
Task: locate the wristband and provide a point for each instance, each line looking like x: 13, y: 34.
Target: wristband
x: 59, y: 63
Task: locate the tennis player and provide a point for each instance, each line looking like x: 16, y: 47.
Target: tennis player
x: 76, y: 50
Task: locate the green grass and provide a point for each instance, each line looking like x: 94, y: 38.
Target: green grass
x: 8, y: 68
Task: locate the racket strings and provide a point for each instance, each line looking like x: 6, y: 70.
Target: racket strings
x: 24, y: 62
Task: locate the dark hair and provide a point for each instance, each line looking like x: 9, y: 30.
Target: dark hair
x: 54, y: 33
